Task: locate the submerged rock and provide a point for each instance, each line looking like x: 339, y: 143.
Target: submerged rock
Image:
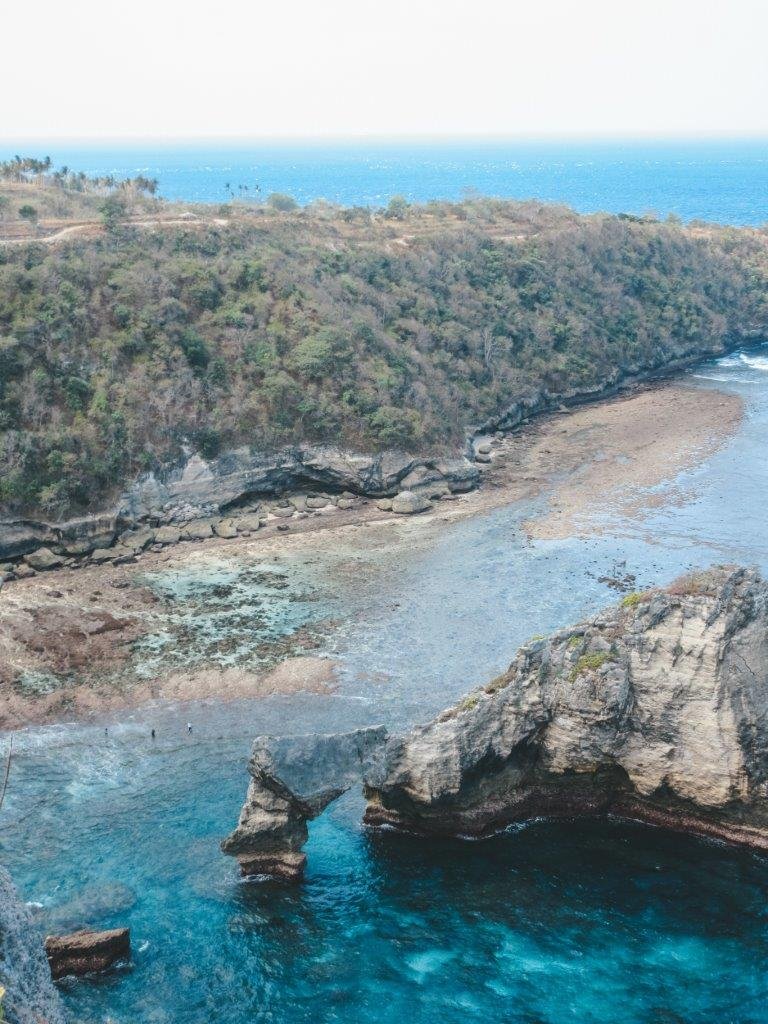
x: 87, y: 952
x: 294, y: 778
x: 30, y: 996
x: 87, y: 907
x: 655, y: 710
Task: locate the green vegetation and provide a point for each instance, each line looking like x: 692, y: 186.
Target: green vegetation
x: 589, y: 663
x: 370, y: 330
x: 634, y: 599
x: 470, y: 702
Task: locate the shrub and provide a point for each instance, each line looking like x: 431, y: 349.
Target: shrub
x: 281, y: 202
x: 589, y: 663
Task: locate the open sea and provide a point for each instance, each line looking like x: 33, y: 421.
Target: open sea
x: 590, y: 923
x: 725, y: 181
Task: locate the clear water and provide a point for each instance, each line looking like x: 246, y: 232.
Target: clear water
x: 594, y: 922
x: 723, y: 181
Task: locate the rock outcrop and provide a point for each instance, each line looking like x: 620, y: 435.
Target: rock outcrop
x: 655, y: 710
x: 201, y: 490
x: 87, y: 952
x: 294, y: 778
x: 30, y: 996
x: 201, y: 487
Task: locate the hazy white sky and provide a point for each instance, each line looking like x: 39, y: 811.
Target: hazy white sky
x: 96, y: 69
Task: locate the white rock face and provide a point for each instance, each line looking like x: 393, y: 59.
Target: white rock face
x: 656, y: 709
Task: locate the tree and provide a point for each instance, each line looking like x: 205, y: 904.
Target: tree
x: 283, y: 203
x: 397, y: 208
x: 113, y: 211
x: 28, y: 213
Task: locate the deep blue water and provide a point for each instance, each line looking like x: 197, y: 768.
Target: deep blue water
x: 594, y: 923
x: 724, y: 181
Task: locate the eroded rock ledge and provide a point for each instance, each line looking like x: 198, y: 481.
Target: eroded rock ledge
x: 655, y: 710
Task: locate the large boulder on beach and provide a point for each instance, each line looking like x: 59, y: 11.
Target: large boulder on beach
x: 87, y: 952
x: 408, y: 503
x: 167, y: 535
x: 43, y: 559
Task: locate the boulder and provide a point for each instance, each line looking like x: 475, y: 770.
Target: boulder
x: 136, y: 540
x: 23, y: 572
x: 408, y: 503
x: 385, y: 504
x: 317, y: 503
x: 484, y: 448
x: 483, y: 457
x: 347, y: 503
x: 101, y: 555
x: 248, y: 524
x: 200, y: 529
x: 282, y: 511
x: 226, y: 528
x: 43, y: 559
x: 167, y: 535
x: 86, y: 952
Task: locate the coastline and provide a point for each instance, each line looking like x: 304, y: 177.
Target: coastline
x: 618, y: 455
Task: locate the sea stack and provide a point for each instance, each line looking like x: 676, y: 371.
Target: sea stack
x: 293, y: 779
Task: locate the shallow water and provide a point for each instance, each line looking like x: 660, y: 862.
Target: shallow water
x: 594, y: 922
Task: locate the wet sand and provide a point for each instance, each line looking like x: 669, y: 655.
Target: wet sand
x: 617, y: 458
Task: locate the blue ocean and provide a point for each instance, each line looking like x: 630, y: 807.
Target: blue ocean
x: 724, y: 181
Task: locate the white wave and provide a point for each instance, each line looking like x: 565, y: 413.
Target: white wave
x: 755, y: 362
x: 727, y: 378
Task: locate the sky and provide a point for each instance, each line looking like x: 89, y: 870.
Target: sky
x: 167, y: 69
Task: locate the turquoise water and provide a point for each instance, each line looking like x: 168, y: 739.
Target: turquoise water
x: 589, y: 922
x: 724, y: 181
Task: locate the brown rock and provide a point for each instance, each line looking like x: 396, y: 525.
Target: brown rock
x: 86, y: 951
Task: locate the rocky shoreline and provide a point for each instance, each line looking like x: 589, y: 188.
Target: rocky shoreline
x: 654, y: 710
x: 192, y: 496
x: 231, y: 495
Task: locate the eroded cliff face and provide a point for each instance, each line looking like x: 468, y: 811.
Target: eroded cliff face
x: 656, y: 709
x: 30, y: 997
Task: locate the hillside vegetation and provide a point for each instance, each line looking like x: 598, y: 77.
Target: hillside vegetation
x: 261, y: 326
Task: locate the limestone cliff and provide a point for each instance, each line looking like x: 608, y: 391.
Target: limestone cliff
x: 30, y: 996
x: 655, y: 710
